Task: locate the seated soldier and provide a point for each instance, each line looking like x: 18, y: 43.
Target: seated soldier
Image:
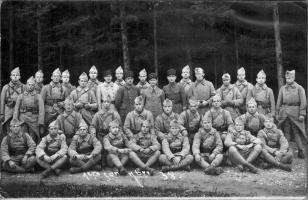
x: 17, y: 150
x: 145, y: 147
x: 275, y: 146
x: 243, y: 148
x: 162, y: 122
x: 51, y: 151
x: 84, y: 151
x: 176, y: 150
x: 190, y: 119
x: 69, y: 121
x: 114, y: 143
x: 207, y: 148
x: 220, y: 118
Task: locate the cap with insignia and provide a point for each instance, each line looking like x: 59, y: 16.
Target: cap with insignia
x: 241, y: 71
x: 16, y: 71
x: 114, y: 123
x: 171, y: 72
x: 226, y: 76
x: 186, y: 69
x: 290, y: 73
x: 119, y: 70
x: 39, y: 72
x: 261, y: 73
x: 152, y: 76
x: 143, y: 72
x: 139, y: 99
x: 93, y: 69
x: 83, y: 124
x: 53, y: 124
x: 206, y: 119
x: 31, y: 80
x: 15, y: 122
x: 68, y: 101
x: 66, y: 72
x: 56, y: 72
x: 83, y: 76
x: 238, y: 121
x: 174, y: 123
x: 146, y: 123
x: 217, y: 97
x: 129, y: 74
x: 268, y: 118
x: 252, y: 101
x: 198, y: 70
x: 107, y: 72
x: 167, y: 102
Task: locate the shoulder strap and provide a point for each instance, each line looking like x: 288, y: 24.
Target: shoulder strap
x: 187, y: 118
x: 8, y: 141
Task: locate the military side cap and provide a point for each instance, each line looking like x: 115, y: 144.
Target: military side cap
x: 152, y: 76
x: 54, y: 124
x: 167, y: 102
x: 39, y: 72
x: 139, y: 99
x: 252, y: 101
x: 129, y: 74
x: 56, y: 71
x: 239, y: 121
x: 119, y: 70
x: 107, y: 98
x: 68, y: 101
x: 15, y: 122
x: 269, y: 118
x: 171, y: 72
x: 226, y: 76
x: 206, y: 119
x: 83, y: 76
x: 198, y: 70
x: 290, y: 73
x: 83, y: 124
x: 143, y: 72
x: 186, y: 69
x: 66, y: 72
x: 16, y: 71
x: 261, y: 73
x: 31, y: 80
x: 93, y: 69
x: 114, y: 123
x: 193, y: 102
x: 107, y: 72
x: 217, y: 97
x: 241, y: 70
x: 146, y: 123
x: 175, y: 123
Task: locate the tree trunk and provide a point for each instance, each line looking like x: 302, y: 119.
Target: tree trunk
x: 236, y: 45
x: 11, y: 38
x: 280, y: 76
x: 61, y: 57
x: 155, y: 38
x: 215, y: 69
x: 39, y: 38
x: 124, y: 36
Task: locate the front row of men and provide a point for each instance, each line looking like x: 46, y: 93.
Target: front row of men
x: 175, y: 147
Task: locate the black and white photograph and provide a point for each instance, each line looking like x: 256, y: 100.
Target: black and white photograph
x: 153, y: 99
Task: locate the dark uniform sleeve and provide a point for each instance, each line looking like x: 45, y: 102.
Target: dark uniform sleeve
x: 5, y: 150
x: 229, y: 140
x: 17, y: 106
x: 73, y: 146
x: 132, y: 144
x: 272, y: 102
x: 119, y: 98
x: 166, y: 149
x: 63, y: 150
x: 303, y: 103
x: 279, y: 100
x: 108, y: 146
x: 41, y: 106
x: 185, y: 147
x: 155, y: 144
x: 219, y: 146
x: 93, y: 102
x: 31, y: 145
x: 127, y: 125
x: 97, y: 146
x: 158, y: 127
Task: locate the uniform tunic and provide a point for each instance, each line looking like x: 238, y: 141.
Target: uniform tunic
x: 185, y: 83
x: 221, y: 119
x: 176, y: 93
x: 253, y: 123
x: 177, y: 145
x: 38, y: 87
x: 244, y: 87
x: 88, y: 145
x: 120, y: 83
x: 112, y: 142
x: 143, y: 86
x: 207, y: 142
x: 93, y: 84
x: 104, y: 90
x: 69, y: 88
x: 50, y: 146
x: 191, y: 122
x: 154, y: 98
x: 162, y: 124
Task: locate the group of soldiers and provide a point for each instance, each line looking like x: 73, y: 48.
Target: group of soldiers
x: 98, y: 124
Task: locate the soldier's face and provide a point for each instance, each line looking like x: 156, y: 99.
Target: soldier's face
x: 30, y: 86
x: 68, y: 107
x: 145, y: 128
x: 15, y: 128
x: 216, y: 102
x: 252, y: 108
x: 53, y: 131
x: 167, y: 109
x: 239, y: 127
x: 261, y: 79
x: 174, y: 130
x: 65, y: 78
x: 171, y: 78
x: 39, y: 78
x: 268, y: 124
x: 15, y: 77
x: 56, y: 78
x: 119, y: 76
x: 108, y: 78
x: 93, y: 74
x: 185, y: 74
x: 193, y: 108
x: 114, y: 130
x: 153, y: 82
x: 83, y: 82
x: 83, y: 131
x: 207, y: 125
x: 241, y: 77
x: 106, y: 104
x: 226, y: 81
x: 138, y: 106
x: 143, y: 78
x: 199, y: 76
x: 129, y: 80
x: 290, y: 79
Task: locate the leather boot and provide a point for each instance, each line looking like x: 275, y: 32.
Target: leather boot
x: 252, y: 168
x: 122, y: 171
x: 285, y: 167
x: 46, y: 173
x: 301, y: 154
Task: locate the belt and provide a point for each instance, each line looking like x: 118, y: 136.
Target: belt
x: 112, y: 102
x: 291, y: 104
x: 29, y: 109
x: 51, y: 102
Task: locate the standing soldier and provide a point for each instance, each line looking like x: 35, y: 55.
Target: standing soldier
x: 66, y: 82
x: 263, y: 95
x: 190, y: 119
x: 176, y: 149
x: 53, y: 96
x: 69, y: 121
x: 84, y: 99
x: 115, y: 144
x: 220, y: 118
x: 84, y: 151
x: 244, y: 87
x: 202, y: 90
x: 29, y: 109
x: 145, y: 148
x: 153, y: 97
x: 119, y: 75
x: 125, y: 97
x: 143, y: 84
x: 93, y: 82
x: 106, y: 88
x: 291, y: 111
x: 17, y: 150
x: 134, y: 119
x: 185, y: 81
x: 39, y: 78
x: 52, y: 150
x: 9, y: 96
x: 175, y: 92
x: 231, y: 98
x: 207, y: 148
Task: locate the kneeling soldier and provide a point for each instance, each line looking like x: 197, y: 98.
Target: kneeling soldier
x: 243, y: 148
x: 207, y: 148
x: 17, y: 150
x: 275, y: 146
x: 114, y: 143
x: 51, y: 152
x: 84, y: 151
x: 145, y: 148
x: 176, y: 149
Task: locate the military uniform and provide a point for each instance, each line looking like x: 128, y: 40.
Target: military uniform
x: 38, y: 87
x: 154, y: 98
x: 93, y: 84
x: 68, y: 88
x: 176, y: 94
x: 106, y: 89
x: 253, y: 122
x: 162, y: 124
x: 119, y: 82
x: 143, y: 86
x: 191, y: 122
x: 185, y: 83
x: 39, y: 82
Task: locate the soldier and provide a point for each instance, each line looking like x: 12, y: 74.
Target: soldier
x: 190, y: 119
x: 17, y: 150
x: 107, y: 88
x: 176, y: 150
x: 231, y: 98
x: 66, y: 82
x: 185, y: 81
x: 39, y: 78
x: 134, y: 119
x: 175, y: 92
x: 119, y: 75
x: 29, y: 109
x: 243, y: 148
x: 145, y: 148
x: 253, y: 120
x: 125, y: 96
x: 52, y: 150
x: 84, y: 151
x: 263, y: 95
x: 291, y: 111
x: 143, y: 84
x: 201, y: 90
x: 84, y: 99
x: 69, y: 121
x: 220, y: 118
x: 93, y: 82
x: 244, y: 87
x: 115, y: 144
x: 53, y: 96
x: 162, y: 121
x: 207, y: 148
x: 9, y: 96
x: 275, y: 146
x: 153, y: 97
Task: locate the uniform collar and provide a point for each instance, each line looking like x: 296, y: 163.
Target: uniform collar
x: 253, y: 115
x: 120, y: 82
x: 258, y: 86
x: 203, y: 82
x: 111, y: 84
x: 29, y: 93
x: 49, y: 138
x: 293, y: 85
x: 55, y: 84
x: 82, y: 89
x: 65, y: 114
x: 17, y: 84
x: 165, y: 116
x: 187, y: 81
x: 211, y: 132
x: 156, y: 89
x: 223, y: 87
x: 12, y: 135
x: 141, y: 114
x: 219, y: 110
x: 172, y: 84
x: 173, y: 137
x: 118, y: 136
x: 143, y: 83
x: 147, y: 135
x: 85, y: 138
x: 244, y: 83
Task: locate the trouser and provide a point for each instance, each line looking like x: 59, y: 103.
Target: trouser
x: 56, y: 164
x: 205, y: 161
x: 238, y: 157
x: 117, y: 160
x: 21, y: 166
x: 86, y: 164
x: 144, y: 160
x: 32, y: 129
x: 186, y: 160
x: 288, y: 126
x: 287, y: 158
